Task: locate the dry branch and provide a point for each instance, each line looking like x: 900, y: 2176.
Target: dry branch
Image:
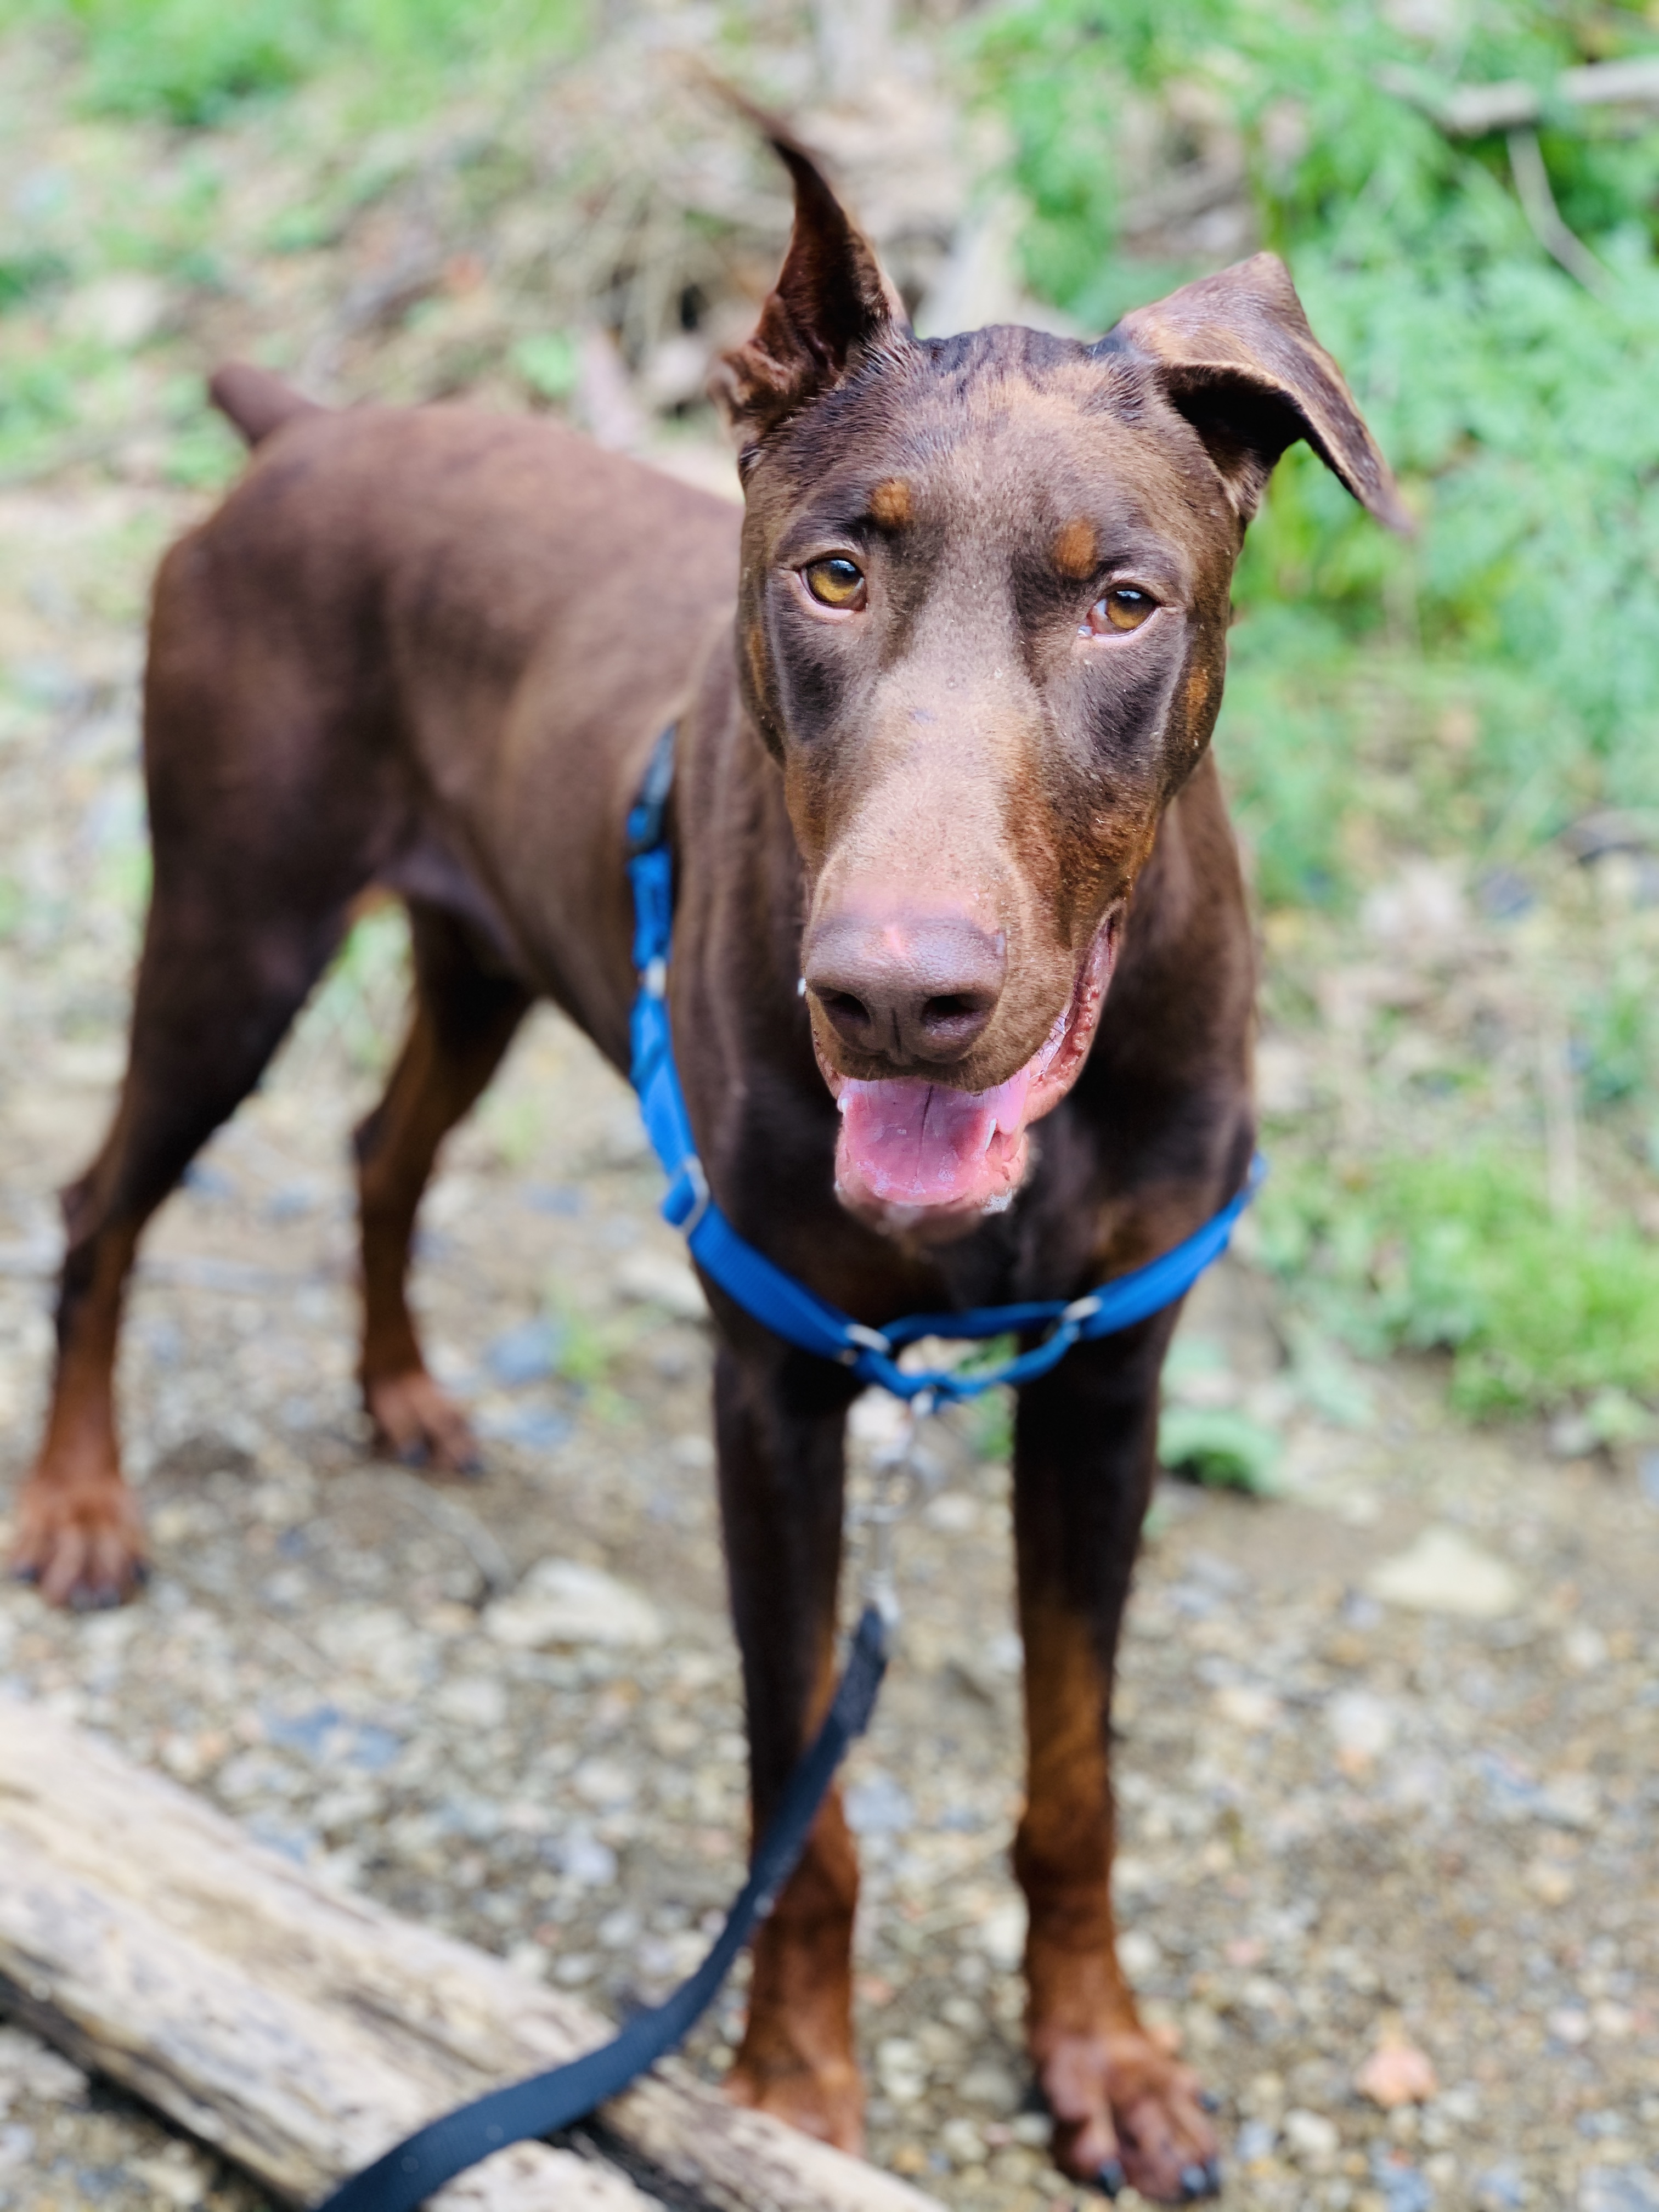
x: 1472, y: 111
x: 301, y: 2030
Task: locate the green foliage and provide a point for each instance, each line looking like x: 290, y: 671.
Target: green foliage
x: 1223, y: 1450
x: 192, y: 62
x: 1460, y: 1253
x: 547, y: 364
x: 1517, y: 408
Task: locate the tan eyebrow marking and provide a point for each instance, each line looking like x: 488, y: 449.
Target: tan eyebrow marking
x: 1074, y: 552
x: 890, y: 504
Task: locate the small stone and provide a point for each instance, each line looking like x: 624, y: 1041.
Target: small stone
x: 16, y: 2148
x: 524, y: 1354
x: 28, y: 2069
x: 1618, y: 2189
x: 1255, y: 2142
x: 1138, y: 1954
x: 1396, y: 2073
x: 962, y: 2142
x: 1362, y: 1726
x: 619, y: 1930
x: 1245, y: 1705
x: 902, y: 2069
x: 1311, y: 2139
x: 604, y: 1783
x: 990, y: 2085
x: 563, y: 1601
x: 120, y: 311
x: 471, y: 1701
x: 1443, y: 1572
x: 175, y: 2175
x: 585, y: 1861
x: 653, y: 1278
x: 1002, y: 1934
x: 876, y: 1805
x: 1500, y: 2189
x: 1568, y: 2024
x: 1550, y: 1882
x: 1570, y: 1801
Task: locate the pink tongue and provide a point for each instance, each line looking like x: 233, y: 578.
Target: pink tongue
x: 916, y: 1144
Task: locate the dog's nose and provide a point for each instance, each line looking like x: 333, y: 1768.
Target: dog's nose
x: 910, y: 987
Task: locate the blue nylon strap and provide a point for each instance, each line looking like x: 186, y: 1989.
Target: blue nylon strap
x: 412, y: 2170
x: 788, y: 1308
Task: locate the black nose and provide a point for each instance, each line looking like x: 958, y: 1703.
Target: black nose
x: 907, y: 987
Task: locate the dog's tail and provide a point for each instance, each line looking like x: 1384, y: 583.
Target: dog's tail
x: 257, y: 402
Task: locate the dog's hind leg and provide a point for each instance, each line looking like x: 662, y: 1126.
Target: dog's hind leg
x: 1084, y: 1454
x: 466, y: 1011
x: 221, y: 975
x: 779, y: 1424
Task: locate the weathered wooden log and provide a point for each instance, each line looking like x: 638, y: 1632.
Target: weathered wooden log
x: 301, y: 2030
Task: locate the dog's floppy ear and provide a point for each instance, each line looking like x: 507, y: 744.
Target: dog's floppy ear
x: 831, y: 302
x: 1236, y: 357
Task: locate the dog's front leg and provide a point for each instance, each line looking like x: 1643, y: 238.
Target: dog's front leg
x: 1084, y: 1455
x: 780, y: 1423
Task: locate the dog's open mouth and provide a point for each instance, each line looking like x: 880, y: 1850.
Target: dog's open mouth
x: 910, y: 1150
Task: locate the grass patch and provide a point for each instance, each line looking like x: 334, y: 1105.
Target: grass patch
x: 193, y: 63
x: 1517, y: 406
x: 1462, y: 1254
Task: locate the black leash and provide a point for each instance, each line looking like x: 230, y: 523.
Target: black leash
x: 526, y: 2111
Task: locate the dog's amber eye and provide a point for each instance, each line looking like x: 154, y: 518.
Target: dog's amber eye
x: 1122, y: 608
x: 836, y: 582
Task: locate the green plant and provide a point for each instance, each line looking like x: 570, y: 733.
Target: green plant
x: 1218, y: 1447
x: 1459, y: 1251
x: 1516, y: 405
x: 192, y: 62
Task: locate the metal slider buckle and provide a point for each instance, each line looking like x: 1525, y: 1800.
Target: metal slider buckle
x: 702, y: 1198
x: 864, y: 1339
x: 653, y: 978
x: 1080, y: 1310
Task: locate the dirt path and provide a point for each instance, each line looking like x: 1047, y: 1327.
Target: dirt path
x: 1345, y: 1819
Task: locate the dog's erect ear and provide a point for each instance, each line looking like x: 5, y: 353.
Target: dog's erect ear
x: 831, y: 302
x: 1237, y: 359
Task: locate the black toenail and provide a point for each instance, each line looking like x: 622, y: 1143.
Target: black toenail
x: 1111, y: 2177
x: 1198, y: 2181
x: 142, y: 1571
x: 1208, y: 2101
x: 25, y: 1575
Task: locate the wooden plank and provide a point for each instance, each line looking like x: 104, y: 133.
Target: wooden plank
x: 300, y: 2029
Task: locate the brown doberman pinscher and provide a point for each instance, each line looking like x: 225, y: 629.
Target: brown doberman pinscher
x: 942, y: 780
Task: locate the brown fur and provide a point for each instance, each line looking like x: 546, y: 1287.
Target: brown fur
x: 891, y: 505
x: 406, y: 652
x: 1074, y: 553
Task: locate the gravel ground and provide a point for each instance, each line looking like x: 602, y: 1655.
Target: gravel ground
x: 1388, y: 1771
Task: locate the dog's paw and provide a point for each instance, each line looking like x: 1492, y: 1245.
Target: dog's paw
x: 1127, y: 2113
x: 79, y: 1539
x: 826, y: 2100
x: 420, y: 1425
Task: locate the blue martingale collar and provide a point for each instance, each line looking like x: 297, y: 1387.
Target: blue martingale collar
x: 775, y: 1299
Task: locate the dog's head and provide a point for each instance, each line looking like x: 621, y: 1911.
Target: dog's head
x: 983, y: 626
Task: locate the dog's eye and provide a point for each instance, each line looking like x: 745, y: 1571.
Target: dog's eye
x: 1122, y: 608
x: 836, y: 582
